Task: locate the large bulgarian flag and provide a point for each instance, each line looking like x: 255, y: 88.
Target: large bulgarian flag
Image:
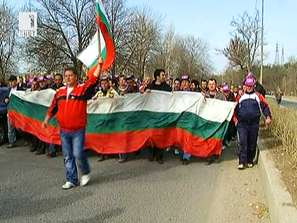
x: 126, y: 124
x: 90, y: 55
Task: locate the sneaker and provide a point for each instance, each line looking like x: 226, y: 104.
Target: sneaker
x: 168, y: 149
x: 101, y: 158
x: 209, y: 161
x: 40, y: 152
x: 11, y: 145
x: 51, y: 154
x: 122, y: 160
x: 84, y: 180
x: 224, y: 147
x: 186, y: 162
x: 176, y: 152
x: 160, y: 161
x: 250, y: 165
x: 228, y: 143
x: 33, y: 149
x: 68, y: 185
x: 240, y: 166
x: 151, y: 158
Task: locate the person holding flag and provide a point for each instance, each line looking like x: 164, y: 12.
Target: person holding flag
x: 70, y: 102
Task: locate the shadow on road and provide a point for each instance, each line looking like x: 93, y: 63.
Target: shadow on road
x: 13, y: 207
x: 103, y: 216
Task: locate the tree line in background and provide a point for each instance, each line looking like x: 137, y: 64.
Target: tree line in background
x: 274, y: 77
x: 8, y: 40
x: 142, y: 42
x: 243, y: 55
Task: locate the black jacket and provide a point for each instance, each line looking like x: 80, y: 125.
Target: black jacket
x: 231, y: 97
x: 22, y: 86
x: 3, y: 84
x: 260, y: 89
x: 160, y: 87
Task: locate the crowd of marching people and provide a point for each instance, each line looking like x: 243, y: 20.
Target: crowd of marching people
x: 249, y: 97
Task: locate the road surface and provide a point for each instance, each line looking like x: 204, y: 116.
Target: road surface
x: 137, y: 191
x: 286, y: 102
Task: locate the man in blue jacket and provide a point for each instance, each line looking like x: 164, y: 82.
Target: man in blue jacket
x: 247, y: 117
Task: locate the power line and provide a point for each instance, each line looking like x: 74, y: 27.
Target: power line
x: 276, y: 60
x: 283, y: 56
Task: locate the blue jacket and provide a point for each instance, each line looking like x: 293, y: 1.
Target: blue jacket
x: 249, y: 107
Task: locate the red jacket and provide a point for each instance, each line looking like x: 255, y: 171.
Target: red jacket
x: 71, y: 112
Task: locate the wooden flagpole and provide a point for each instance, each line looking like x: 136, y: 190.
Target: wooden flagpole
x: 99, y: 42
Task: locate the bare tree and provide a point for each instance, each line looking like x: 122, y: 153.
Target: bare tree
x: 197, y: 55
x: 119, y: 18
x: 164, y: 57
x: 43, y: 55
x: 183, y: 55
x: 8, y: 43
x: 144, y: 36
x: 65, y: 26
x: 236, y: 52
x: 243, y: 48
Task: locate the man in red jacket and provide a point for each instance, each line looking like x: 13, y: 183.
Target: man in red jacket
x: 69, y: 105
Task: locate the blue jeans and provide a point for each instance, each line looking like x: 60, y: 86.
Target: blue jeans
x: 11, y: 132
x: 186, y: 156
x: 73, y: 144
x: 52, y: 147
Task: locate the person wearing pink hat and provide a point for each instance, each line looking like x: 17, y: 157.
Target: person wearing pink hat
x: 257, y: 86
x: 228, y: 94
x: 247, y: 117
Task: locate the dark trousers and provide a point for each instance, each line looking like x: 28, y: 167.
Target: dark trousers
x: 156, y: 152
x: 43, y: 146
x: 54, y: 148
x: 247, y: 135
x: 126, y: 155
x: 35, y: 142
x: 229, y: 133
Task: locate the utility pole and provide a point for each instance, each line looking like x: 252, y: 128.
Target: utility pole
x: 262, y: 43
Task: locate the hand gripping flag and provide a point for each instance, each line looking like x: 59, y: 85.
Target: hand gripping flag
x: 90, y: 55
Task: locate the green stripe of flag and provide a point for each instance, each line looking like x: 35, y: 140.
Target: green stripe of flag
x: 103, y: 18
x: 121, y: 122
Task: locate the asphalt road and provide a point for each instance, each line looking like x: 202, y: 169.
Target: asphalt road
x: 137, y: 191
x: 290, y: 103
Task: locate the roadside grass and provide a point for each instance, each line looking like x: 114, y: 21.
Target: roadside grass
x: 284, y: 127
x: 281, y: 139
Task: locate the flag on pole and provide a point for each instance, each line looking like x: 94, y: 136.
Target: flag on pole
x: 90, y: 55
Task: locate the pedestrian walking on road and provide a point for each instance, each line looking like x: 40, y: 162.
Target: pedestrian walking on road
x: 278, y: 96
x: 69, y: 105
x: 247, y: 117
